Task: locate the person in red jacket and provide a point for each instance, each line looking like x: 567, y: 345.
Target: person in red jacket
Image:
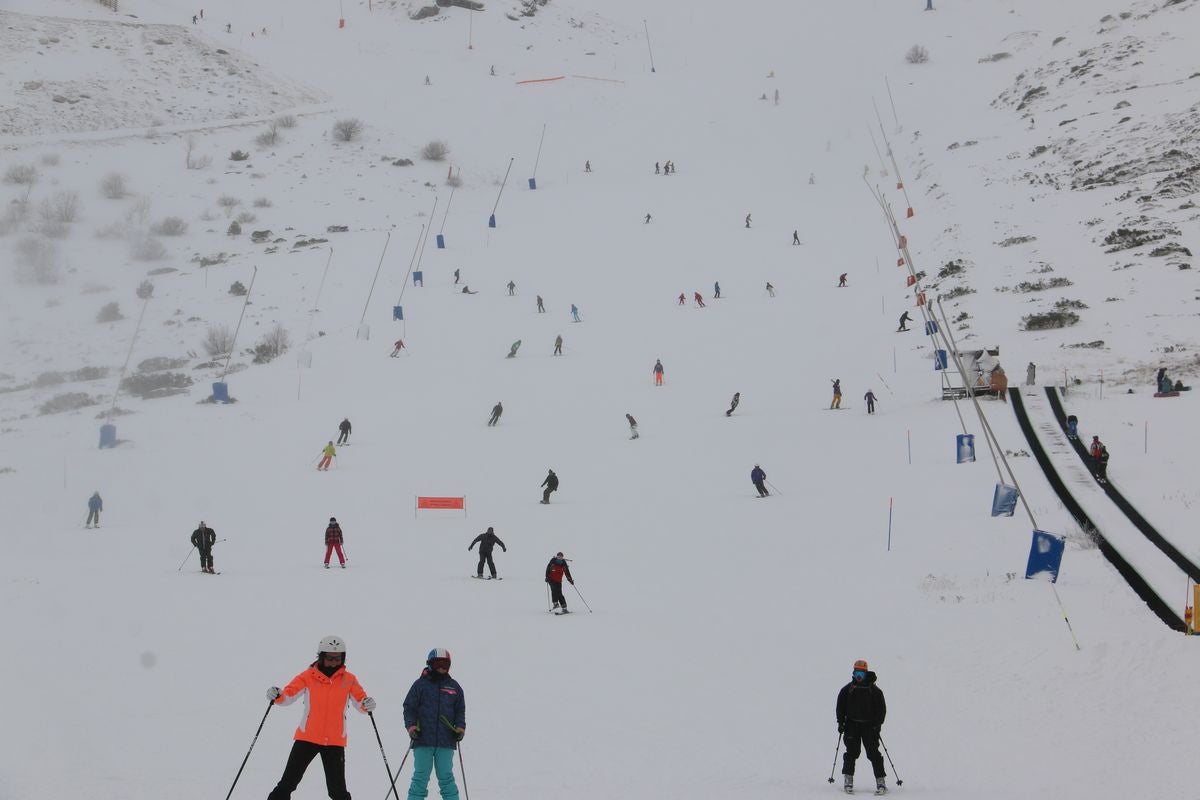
x: 556, y: 570
x: 327, y: 688
x: 333, y: 542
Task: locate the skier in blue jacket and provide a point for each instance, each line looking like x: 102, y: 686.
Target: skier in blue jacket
x: 435, y: 714
x: 758, y: 477
x: 95, y: 506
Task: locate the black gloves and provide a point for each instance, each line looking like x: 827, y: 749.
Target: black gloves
x: 841, y: 727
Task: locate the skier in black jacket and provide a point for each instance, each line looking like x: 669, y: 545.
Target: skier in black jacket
x: 486, y: 541
x: 860, y: 713
x: 737, y: 398
x: 203, y: 539
x: 344, y: 428
x: 551, y: 484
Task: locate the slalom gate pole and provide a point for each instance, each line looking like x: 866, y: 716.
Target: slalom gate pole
x: 889, y: 757
x: 585, y: 605
x: 399, y: 769
x: 836, y: 747
x: 391, y: 779
x: 185, y: 558
x: 774, y: 488
x: 463, y: 770
x: 252, y: 743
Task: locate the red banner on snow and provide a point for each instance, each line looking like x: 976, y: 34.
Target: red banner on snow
x: 455, y: 503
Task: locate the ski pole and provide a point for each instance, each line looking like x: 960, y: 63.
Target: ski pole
x: 585, y: 605
x: 185, y: 558
x: 463, y: 770
x: 252, y: 743
x: 548, y: 606
x: 773, y: 487
x: 399, y: 769
x: 836, y: 747
x: 391, y: 780
x: 889, y: 757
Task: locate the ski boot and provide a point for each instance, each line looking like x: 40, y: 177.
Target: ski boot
x: 848, y: 784
x: 343, y: 565
x: 880, y: 786
x: 326, y: 566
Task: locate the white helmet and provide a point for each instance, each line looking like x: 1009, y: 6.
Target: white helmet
x: 332, y: 644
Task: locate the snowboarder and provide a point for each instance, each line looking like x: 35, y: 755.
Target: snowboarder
x: 435, y: 713
x: 203, y: 539
x: 467, y: 290
x: 344, y: 428
x: 327, y: 455
x: 558, y: 345
x: 333, y: 542
x: 511, y: 288
x: 512, y: 352
x: 658, y: 372
x: 682, y: 299
x: 587, y: 166
x: 1095, y: 448
x: 904, y: 320
x: 842, y: 279
x: 759, y: 478
x: 698, y: 299
x: 1031, y: 374
x: 95, y: 506
x: 747, y: 220
x: 456, y: 276
x: 796, y: 237
x: 556, y: 570
x: 541, y: 306
x: 497, y: 410
x: 770, y: 289
x: 633, y: 431
x: 870, y: 398
x: 1102, y: 465
x: 647, y: 222
x: 397, y: 347
x: 717, y: 290
x: 733, y: 404
x: 860, y: 713
x: 575, y: 313
x: 1072, y: 427
x: 551, y: 484
x: 322, y: 730
x: 837, y: 393
x: 486, y: 541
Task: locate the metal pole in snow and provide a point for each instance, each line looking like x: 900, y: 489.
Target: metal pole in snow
x: 649, y: 49
x: 909, y: 435
x: 889, y: 546
x: 539, y: 152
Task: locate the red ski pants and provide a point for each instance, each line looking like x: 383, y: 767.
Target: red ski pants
x: 329, y: 550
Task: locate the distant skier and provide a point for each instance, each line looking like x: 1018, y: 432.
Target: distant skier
x: 327, y: 455
x: 512, y: 352
x: 333, y: 542
x: 633, y: 431
x: 556, y: 570
x: 682, y: 299
x: 203, y: 539
x: 647, y: 222
x: 1095, y: 448
x: 456, y: 277
x: 1072, y: 427
x: 904, y: 320
x: 717, y: 290
x: 812, y: 178
x: 737, y: 398
x: 194, y: 19
x: 551, y: 484
x: 870, y: 398
x: 747, y: 220
x: 344, y: 428
x: 842, y: 279
x: 759, y: 479
x: 486, y: 541
x: 770, y: 289
x: 229, y: 27
x: 467, y: 290
x: 587, y: 166
x: 837, y: 394
x: 95, y: 506
x: 861, y: 709
x: 1102, y: 465
x: 327, y: 687
x: 698, y: 299
x: 511, y: 288
x: 397, y: 347
x: 558, y: 345
x: 656, y: 170
x: 497, y: 410
x: 541, y: 306
x: 796, y: 237
x: 575, y: 313
x: 658, y: 372
x: 435, y: 713
x: 1031, y: 374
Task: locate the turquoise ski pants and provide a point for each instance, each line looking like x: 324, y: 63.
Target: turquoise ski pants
x: 426, y: 759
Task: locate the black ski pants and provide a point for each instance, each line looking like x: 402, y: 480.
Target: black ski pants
x: 762, y: 490
x: 861, y: 735
x: 556, y: 594
x: 93, y: 516
x: 343, y: 437
x: 485, y: 557
x: 332, y: 758
x: 495, y: 418
x: 546, y: 495
x: 206, y: 558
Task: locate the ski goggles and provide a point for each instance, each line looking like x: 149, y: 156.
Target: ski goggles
x: 859, y: 674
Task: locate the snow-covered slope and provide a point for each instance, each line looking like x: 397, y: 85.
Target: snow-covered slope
x: 723, y: 625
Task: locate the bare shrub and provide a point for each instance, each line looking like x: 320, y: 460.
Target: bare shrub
x: 269, y: 137
x: 139, y: 213
x: 147, y: 248
x: 51, y: 159
x: 169, y: 226
x: 262, y: 202
x: 62, y: 207
x: 286, y: 121
x: 71, y: 401
x: 245, y: 218
x: 53, y: 229
x: 238, y: 155
x: 113, y: 186
x: 235, y: 229
x: 237, y: 289
x: 916, y: 55
x: 228, y: 202
x: 22, y: 174
x: 37, y: 262
x: 218, y: 341
x: 191, y: 159
x: 274, y: 343
x: 454, y: 181
x: 145, y: 289
x: 114, y: 230
x: 153, y: 385
x: 435, y: 150
x: 111, y: 312
x: 347, y: 130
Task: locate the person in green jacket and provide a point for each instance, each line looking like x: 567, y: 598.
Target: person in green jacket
x: 327, y: 455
